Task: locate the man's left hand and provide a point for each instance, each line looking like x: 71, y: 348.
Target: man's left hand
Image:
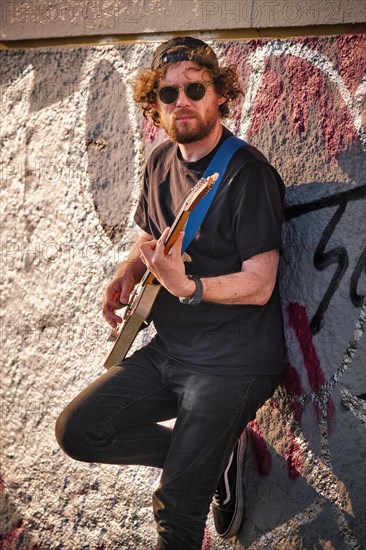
x: 168, y: 268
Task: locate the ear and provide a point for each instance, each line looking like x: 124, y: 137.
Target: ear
x: 221, y: 99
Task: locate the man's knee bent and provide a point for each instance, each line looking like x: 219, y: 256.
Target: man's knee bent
x: 71, y: 435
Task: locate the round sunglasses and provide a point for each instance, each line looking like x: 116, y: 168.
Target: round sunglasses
x: 193, y: 90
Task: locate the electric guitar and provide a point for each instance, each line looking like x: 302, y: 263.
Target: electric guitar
x: 144, y: 294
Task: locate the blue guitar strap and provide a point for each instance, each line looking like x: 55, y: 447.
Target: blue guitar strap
x: 218, y: 164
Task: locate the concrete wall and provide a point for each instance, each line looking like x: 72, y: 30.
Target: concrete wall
x: 73, y: 151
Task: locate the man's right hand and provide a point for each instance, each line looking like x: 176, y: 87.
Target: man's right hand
x: 116, y: 296
x: 129, y: 273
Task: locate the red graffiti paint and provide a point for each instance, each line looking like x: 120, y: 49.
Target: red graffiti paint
x: 298, y: 321
x: 11, y: 538
x: 351, y: 57
x: 15, y: 539
x: 293, y: 457
x: 300, y: 94
x: 313, y: 95
x: 292, y: 383
x: 206, y: 543
x: 260, y: 449
x: 268, y: 104
x: 149, y: 131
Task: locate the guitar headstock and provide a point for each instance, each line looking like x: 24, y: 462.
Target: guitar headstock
x: 199, y: 191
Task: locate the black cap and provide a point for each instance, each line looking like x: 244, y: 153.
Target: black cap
x: 163, y: 57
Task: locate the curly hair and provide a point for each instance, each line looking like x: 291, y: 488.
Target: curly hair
x: 225, y: 80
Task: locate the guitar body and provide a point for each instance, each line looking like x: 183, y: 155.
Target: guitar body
x: 139, y: 309
x: 143, y: 297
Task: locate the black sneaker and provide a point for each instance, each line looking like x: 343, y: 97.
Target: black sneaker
x: 228, y: 500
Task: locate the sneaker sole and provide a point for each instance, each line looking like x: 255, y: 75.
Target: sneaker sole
x: 239, y: 503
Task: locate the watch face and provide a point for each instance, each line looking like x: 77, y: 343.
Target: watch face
x: 194, y: 301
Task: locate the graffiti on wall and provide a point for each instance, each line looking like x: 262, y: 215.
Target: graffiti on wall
x: 303, y: 107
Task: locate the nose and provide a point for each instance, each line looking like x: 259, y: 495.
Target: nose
x: 182, y: 99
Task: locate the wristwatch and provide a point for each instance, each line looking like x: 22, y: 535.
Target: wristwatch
x: 197, y: 296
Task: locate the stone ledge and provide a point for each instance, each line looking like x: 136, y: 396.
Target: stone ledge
x: 21, y: 20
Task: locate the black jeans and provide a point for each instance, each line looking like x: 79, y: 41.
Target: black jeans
x: 115, y: 421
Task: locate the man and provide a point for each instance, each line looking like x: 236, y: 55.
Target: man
x: 218, y: 354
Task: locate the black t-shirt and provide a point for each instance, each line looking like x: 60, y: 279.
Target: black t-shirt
x: 244, y: 219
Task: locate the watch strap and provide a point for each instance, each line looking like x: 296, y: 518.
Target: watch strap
x: 197, y: 296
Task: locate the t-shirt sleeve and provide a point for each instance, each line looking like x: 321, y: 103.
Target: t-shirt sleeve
x: 258, y: 211
x: 141, y: 214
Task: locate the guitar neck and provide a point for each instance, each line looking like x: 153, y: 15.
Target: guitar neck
x: 198, y: 192
x: 175, y: 229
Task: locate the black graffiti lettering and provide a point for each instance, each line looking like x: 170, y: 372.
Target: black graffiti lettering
x: 337, y: 255
x: 295, y: 210
x: 356, y: 298
x: 322, y: 260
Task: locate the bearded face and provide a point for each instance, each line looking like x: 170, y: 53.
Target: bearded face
x: 186, y: 120
x: 186, y: 126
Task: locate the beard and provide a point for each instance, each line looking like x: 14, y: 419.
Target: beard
x: 193, y: 130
